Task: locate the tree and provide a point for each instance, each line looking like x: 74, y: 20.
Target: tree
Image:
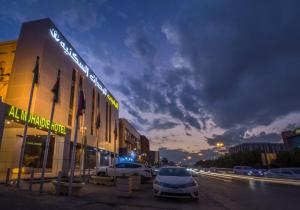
x: 164, y: 161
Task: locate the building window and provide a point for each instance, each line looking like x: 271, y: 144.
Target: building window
x: 109, y: 123
x: 92, y: 114
x: 106, y: 121
x: 98, y: 101
x: 80, y: 82
x: 71, y: 102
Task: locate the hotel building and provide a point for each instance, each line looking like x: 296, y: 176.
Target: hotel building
x: 96, y: 142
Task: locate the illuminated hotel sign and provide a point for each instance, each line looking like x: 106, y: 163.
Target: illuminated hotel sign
x: 81, y: 64
x: 19, y: 115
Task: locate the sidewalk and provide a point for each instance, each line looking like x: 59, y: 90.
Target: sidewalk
x: 91, y: 197
x: 95, y: 197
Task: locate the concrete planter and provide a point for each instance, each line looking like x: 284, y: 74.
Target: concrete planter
x: 124, y: 186
x: 103, y: 180
x: 136, y: 182
x: 63, y: 189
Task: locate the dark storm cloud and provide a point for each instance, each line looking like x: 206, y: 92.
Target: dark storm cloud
x: 160, y: 124
x: 292, y: 126
x: 178, y: 155
x: 229, y: 137
x: 140, y: 121
x: 264, y: 137
x: 156, y: 90
x: 239, y: 135
x: 140, y: 45
x: 245, y: 55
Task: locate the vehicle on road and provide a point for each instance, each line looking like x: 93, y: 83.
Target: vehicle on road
x: 283, y: 173
x: 127, y: 169
x: 247, y: 170
x: 175, y: 182
x: 155, y: 170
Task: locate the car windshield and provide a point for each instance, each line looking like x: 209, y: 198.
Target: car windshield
x: 173, y: 172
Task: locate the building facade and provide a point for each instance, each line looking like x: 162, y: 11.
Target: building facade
x: 129, y: 139
x: 97, y: 136
x: 145, y: 148
x: 261, y: 147
x: 291, y: 139
x: 154, y: 157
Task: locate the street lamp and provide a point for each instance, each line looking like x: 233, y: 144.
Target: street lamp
x: 219, y: 144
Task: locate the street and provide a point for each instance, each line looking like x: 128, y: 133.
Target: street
x: 215, y: 193
x: 242, y: 194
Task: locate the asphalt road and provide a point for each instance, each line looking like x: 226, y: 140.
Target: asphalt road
x: 215, y: 193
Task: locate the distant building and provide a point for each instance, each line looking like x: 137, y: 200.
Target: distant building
x: 291, y: 139
x: 145, y: 148
x: 129, y: 139
x: 258, y: 146
x: 153, y: 157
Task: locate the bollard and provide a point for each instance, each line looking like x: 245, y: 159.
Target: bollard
x: 7, y: 176
x: 58, y: 182
x: 31, y: 179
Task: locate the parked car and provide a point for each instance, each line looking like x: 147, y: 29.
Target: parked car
x: 283, y: 173
x: 155, y: 170
x: 126, y: 168
x: 247, y: 170
x: 175, y: 182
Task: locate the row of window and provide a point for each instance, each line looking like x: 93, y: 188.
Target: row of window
x: 95, y: 113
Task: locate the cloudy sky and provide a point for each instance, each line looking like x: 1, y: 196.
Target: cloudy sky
x: 186, y: 73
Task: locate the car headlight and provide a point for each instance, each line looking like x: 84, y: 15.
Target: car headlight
x: 157, y: 182
x: 190, y: 184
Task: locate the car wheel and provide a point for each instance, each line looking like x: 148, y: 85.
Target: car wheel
x: 143, y: 179
x: 196, y: 199
x: 101, y: 174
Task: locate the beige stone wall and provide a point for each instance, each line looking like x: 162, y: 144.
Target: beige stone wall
x: 7, y: 54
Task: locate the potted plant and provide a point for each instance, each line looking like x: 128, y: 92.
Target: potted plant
x: 62, y: 186
x: 124, y: 186
x: 103, y: 179
x: 136, y: 181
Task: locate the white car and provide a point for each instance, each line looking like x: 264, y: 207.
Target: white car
x: 126, y: 169
x: 175, y: 182
x: 283, y: 173
x: 247, y: 170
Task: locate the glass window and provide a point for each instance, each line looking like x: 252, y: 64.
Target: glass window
x: 120, y: 165
x: 286, y: 171
x: 173, y: 172
x: 136, y: 165
x: 296, y: 171
x: 106, y: 122
x: 109, y: 125
x: 92, y: 114
x: 71, y: 102
x: 98, y: 100
x: 34, y: 151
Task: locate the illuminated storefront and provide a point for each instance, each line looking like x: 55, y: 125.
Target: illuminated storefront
x: 97, y: 141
